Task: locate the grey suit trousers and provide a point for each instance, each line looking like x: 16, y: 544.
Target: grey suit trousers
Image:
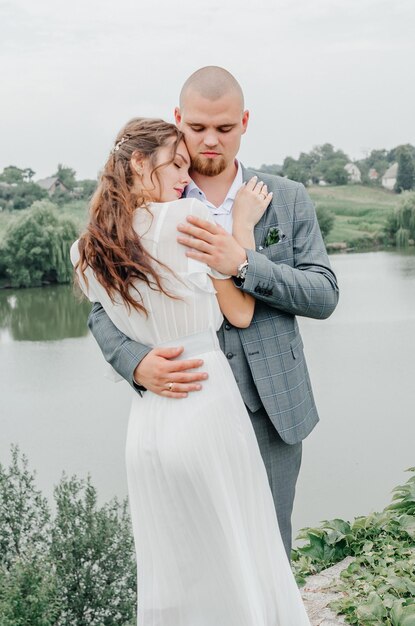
x: 282, y: 462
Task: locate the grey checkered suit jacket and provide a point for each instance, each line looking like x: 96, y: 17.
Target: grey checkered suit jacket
x: 288, y: 278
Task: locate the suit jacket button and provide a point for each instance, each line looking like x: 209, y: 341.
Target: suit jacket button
x: 228, y: 326
x: 229, y: 355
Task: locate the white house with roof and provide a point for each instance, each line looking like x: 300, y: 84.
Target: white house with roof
x: 353, y: 173
x: 390, y: 176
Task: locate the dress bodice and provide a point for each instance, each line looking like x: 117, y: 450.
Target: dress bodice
x: 194, y: 307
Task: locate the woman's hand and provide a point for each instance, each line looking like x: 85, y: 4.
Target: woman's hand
x: 250, y: 203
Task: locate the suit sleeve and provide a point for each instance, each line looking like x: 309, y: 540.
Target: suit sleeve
x: 309, y: 287
x: 123, y: 353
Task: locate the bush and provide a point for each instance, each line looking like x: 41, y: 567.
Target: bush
x: 378, y: 587
x: 97, y: 576
x: 400, y: 225
x: 36, y: 247
x: 77, y: 569
x: 20, y: 196
x: 325, y: 219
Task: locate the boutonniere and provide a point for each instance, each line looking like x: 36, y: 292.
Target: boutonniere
x: 274, y: 235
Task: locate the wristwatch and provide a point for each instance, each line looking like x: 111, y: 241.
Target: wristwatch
x: 242, y: 270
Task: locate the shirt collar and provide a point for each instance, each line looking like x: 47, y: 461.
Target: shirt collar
x: 193, y: 191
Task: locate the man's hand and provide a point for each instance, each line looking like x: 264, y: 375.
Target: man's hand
x: 160, y: 373
x: 211, y: 244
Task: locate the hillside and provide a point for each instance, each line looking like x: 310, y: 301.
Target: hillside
x: 360, y: 211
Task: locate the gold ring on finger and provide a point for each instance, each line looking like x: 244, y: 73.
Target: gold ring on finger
x: 263, y: 196
x: 170, y: 386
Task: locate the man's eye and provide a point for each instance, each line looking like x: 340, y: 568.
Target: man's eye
x: 197, y: 129
x: 225, y: 129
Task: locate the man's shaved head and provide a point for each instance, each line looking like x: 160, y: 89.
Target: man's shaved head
x: 212, y: 82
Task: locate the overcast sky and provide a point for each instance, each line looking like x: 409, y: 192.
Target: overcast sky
x: 313, y: 71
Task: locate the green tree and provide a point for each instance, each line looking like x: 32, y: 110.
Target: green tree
x: 270, y: 169
x: 400, y: 225
x: 96, y: 577
x: 26, y: 194
x: 36, y: 247
x: 12, y: 174
x: 61, y: 197
x: 28, y: 174
x: 20, y: 196
x: 28, y: 593
x: 322, y: 163
x: 406, y: 171
x: 293, y: 170
x: 334, y: 172
x: 77, y: 569
x: 88, y: 185
x: 393, y: 155
x: 24, y: 513
x: 67, y: 175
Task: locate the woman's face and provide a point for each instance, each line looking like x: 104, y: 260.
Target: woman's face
x: 170, y: 179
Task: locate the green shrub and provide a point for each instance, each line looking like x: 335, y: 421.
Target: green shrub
x: 400, y: 225
x: 378, y: 587
x: 325, y: 219
x: 75, y: 569
x: 36, y: 247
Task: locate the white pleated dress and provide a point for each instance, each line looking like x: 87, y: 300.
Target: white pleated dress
x: 209, y: 551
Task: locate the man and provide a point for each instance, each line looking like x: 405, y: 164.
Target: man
x: 288, y: 273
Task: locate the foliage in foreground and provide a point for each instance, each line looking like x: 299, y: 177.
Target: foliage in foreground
x: 378, y: 587
x: 74, y: 569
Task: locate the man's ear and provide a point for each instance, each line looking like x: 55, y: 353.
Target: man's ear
x: 177, y: 116
x: 245, y: 119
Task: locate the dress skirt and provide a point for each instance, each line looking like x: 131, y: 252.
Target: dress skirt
x: 209, y: 551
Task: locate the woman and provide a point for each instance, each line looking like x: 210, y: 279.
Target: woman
x: 209, y: 551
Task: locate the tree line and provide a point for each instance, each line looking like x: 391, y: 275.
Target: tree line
x: 325, y: 163
x: 34, y: 249
x: 18, y: 190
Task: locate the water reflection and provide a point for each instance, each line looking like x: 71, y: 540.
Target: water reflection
x: 42, y: 314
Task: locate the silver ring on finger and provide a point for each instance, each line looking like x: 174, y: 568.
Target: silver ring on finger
x: 263, y: 196
x: 170, y: 386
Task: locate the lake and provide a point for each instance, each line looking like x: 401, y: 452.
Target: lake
x: 56, y: 404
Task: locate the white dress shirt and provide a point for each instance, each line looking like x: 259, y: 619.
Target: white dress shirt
x: 223, y: 213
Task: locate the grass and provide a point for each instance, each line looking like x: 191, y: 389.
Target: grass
x: 361, y: 212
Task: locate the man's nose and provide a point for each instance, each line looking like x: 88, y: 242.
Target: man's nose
x: 211, y: 139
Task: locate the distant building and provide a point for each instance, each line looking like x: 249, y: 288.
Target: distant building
x: 353, y: 173
x: 52, y: 184
x: 373, y: 174
x: 390, y: 176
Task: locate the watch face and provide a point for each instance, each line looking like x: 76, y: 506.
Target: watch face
x: 242, y: 270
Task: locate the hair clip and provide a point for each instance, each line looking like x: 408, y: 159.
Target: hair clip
x: 119, y: 144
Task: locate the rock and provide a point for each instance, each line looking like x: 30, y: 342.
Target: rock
x: 317, y: 594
